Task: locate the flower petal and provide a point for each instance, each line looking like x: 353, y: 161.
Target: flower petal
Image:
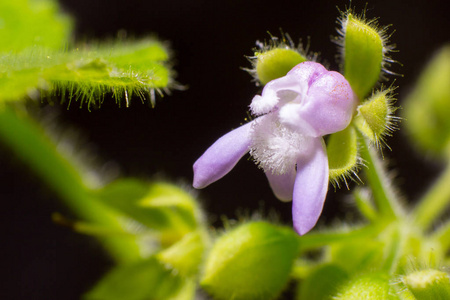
x: 222, y: 156
x: 270, y: 96
x: 310, y: 188
x: 327, y: 108
x: 282, y: 185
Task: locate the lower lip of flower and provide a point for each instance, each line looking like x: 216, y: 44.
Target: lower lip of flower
x: 277, y: 148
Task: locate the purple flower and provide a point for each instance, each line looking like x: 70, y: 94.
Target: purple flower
x: 285, y: 140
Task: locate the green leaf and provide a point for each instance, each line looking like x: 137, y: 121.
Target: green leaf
x: 362, y: 51
x: 186, y: 255
x: 342, y: 151
x: 322, y: 283
x: 162, y: 207
x: 252, y: 261
x: 87, y: 74
x: 147, y: 279
x: 357, y: 255
x: 428, y: 106
x: 276, y: 63
x: 28, y: 23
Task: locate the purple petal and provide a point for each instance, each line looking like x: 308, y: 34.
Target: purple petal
x: 328, y: 106
x: 282, y: 185
x: 222, y: 156
x: 310, y: 188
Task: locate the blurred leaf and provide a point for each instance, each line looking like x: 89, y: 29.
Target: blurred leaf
x: 28, y: 23
x: 186, y: 255
x: 427, y: 108
x: 162, y: 207
x: 322, y: 283
x: 148, y: 280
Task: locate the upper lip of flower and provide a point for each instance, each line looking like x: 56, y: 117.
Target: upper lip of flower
x: 306, y: 104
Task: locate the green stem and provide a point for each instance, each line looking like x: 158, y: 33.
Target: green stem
x: 433, y: 204
x: 28, y: 141
x: 442, y: 236
x: 317, y: 240
x: 383, y: 195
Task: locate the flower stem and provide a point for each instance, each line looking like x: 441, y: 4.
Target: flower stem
x: 433, y: 204
x: 383, y: 195
x: 28, y: 141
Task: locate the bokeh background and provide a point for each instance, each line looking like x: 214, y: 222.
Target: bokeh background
x: 210, y: 41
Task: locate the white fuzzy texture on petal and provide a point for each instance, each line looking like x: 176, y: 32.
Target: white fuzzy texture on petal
x: 277, y: 148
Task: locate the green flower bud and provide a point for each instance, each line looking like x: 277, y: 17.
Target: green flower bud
x: 376, y: 118
x: 275, y: 63
x: 252, y: 261
x: 370, y: 286
x: 363, y: 51
x: 322, y: 283
x: 342, y: 151
x: 427, y: 108
x: 428, y: 284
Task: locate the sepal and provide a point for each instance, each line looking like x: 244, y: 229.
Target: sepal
x: 343, y: 159
x: 364, y: 51
x: 375, y: 118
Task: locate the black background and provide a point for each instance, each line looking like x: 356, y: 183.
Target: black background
x: 210, y: 40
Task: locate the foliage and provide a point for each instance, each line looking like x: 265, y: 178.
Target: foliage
x: 157, y: 231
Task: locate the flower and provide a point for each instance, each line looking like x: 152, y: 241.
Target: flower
x: 293, y: 113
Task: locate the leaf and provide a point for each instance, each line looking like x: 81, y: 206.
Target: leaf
x: 147, y: 279
x: 87, y: 74
x: 29, y: 23
x: 428, y: 106
x: 322, y: 283
x: 161, y: 207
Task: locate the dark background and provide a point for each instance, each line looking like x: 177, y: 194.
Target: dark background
x: 210, y: 40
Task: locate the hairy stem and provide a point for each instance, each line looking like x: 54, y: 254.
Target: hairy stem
x: 383, y: 195
x: 433, y: 204
x: 28, y: 142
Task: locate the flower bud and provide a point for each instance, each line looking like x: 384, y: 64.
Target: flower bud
x: 252, y: 261
x: 370, y: 286
x: 276, y: 63
x: 376, y: 118
x: 363, y: 52
x: 428, y: 284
